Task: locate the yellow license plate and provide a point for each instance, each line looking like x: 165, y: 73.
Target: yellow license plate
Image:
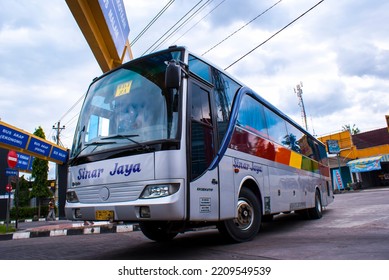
x: 104, y: 215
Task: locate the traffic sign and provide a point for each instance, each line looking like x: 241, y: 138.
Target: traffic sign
x: 8, y: 188
x: 11, y: 172
x: 12, y: 159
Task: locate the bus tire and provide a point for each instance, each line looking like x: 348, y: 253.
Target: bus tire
x: 317, y: 211
x: 157, y: 231
x: 247, y: 224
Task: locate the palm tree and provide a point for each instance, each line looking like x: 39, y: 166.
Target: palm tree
x: 353, y: 130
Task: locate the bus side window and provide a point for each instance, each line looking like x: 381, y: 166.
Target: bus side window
x: 276, y: 128
x: 294, y: 139
x: 224, y: 91
x: 202, y: 146
x: 199, y: 68
x: 251, y: 116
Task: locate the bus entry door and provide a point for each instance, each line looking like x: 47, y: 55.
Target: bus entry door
x: 204, y: 183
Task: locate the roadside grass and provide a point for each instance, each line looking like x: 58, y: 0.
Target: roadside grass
x: 3, y: 229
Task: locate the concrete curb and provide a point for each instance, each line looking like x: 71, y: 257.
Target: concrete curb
x: 71, y: 230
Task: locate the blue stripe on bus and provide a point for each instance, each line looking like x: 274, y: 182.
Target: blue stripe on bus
x: 231, y: 125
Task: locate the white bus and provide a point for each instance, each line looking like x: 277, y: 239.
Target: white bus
x: 173, y: 143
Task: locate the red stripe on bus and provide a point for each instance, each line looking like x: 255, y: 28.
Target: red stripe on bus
x: 249, y: 143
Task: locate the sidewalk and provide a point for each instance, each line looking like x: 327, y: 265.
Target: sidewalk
x: 43, y: 228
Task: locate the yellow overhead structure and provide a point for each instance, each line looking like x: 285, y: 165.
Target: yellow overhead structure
x: 349, y: 150
x: 105, y: 28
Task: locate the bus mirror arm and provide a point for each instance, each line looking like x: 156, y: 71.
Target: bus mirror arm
x: 173, y: 75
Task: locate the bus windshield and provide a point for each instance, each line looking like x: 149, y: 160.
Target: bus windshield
x: 129, y: 106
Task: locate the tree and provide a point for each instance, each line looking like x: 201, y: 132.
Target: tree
x: 40, y: 169
x: 353, y: 130
x: 24, y: 193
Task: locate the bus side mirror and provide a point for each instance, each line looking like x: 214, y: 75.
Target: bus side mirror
x: 173, y: 75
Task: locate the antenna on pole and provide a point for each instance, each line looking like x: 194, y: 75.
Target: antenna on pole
x: 299, y: 91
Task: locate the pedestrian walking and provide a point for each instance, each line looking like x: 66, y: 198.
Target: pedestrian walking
x: 51, y: 215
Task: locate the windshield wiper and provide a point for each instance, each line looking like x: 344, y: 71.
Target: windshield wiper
x: 86, y: 145
x: 128, y: 137
x: 100, y: 143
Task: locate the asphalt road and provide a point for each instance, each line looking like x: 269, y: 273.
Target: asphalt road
x: 354, y: 227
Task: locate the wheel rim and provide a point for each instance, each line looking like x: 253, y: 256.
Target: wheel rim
x: 245, y: 215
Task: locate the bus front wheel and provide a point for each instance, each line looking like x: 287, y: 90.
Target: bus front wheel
x: 248, y: 221
x: 157, y: 231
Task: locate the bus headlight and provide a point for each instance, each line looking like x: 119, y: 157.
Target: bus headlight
x: 156, y: 191
x: 71, y: 197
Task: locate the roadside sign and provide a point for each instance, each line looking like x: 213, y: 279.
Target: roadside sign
x: 29, y: 146
x: 8, y: 188
x: 333, y: 146
x: 24, y: 162
x: 11, y: 172
x: 12, y: 159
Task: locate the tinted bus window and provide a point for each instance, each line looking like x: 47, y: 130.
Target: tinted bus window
x: 224, y: 91
x: 200, y: 105
x: 276, y: 127
x: 201, y: 131
x: 199, y: 68
x: 251, y: 116
x: 294, y: 138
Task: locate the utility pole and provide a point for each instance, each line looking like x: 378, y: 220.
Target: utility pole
x: 58, y: 128
x: 299, y: 91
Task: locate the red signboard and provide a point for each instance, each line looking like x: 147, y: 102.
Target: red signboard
x: 12, y: 159
x: 8, y: 188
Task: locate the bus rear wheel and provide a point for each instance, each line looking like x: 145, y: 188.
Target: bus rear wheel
x: 157, y: 231
x: 248, y: 221
x: 317, y: 211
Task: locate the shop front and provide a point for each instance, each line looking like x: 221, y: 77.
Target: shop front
x: 371, y: 171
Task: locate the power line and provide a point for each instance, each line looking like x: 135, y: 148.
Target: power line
x: 183, y: 24
x: 72, y: 119
x: 160, y: 38
x: 282, y: 29
x: 152, y: 22
x: 236, y: 31
x: 74, y: 105
x: 210, y: 12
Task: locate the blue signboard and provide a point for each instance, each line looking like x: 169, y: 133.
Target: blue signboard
x: 13, y: 137
x: 29, y: 146
x: 59, y: 154
x: 39, y: 147
x: 24, y: 161
x: 11, y: 172
x: 333, y: 146
x: 116, y: 19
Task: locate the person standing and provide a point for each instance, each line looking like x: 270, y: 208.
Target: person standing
x: 51, y: 214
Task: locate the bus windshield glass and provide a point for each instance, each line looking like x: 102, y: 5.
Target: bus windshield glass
x: 129, y: 106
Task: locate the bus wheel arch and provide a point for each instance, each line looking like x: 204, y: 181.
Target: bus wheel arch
x: 249, y: 215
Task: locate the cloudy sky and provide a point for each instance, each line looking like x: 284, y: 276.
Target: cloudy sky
x: 339, y: 51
